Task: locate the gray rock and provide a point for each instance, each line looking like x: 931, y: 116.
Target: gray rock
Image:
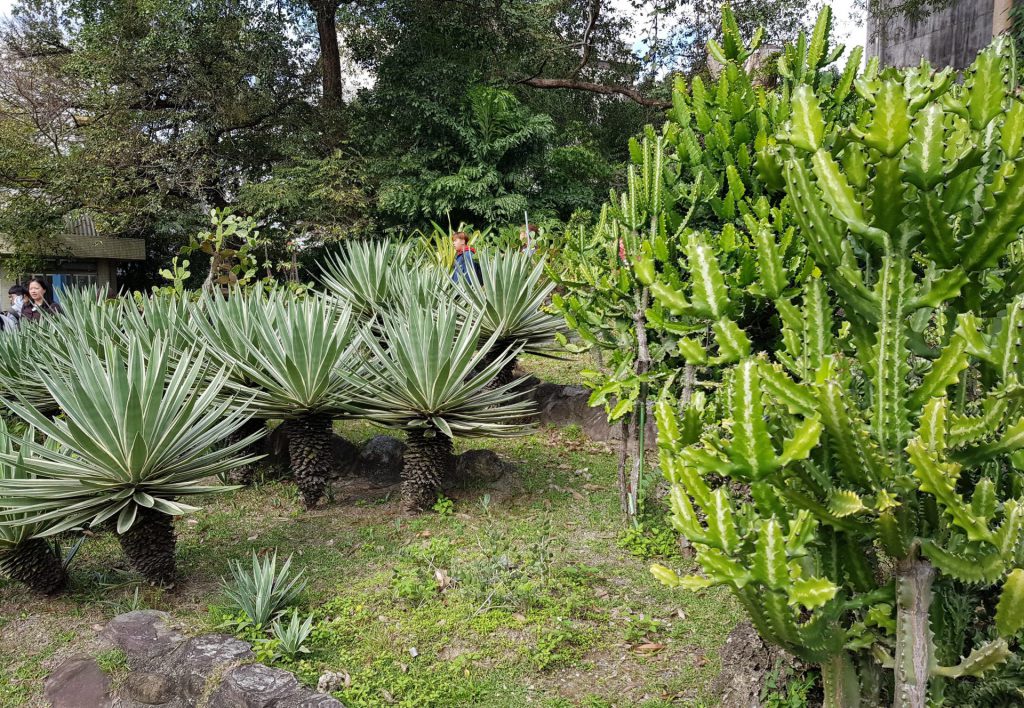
x: 142, y: 635
x: 476, y: 467
x: 380, y: 460
x: 259, y: 686
x: 192, y: 663
x: 346, y: 457
x: 149, y: 688
x: 78, y: 683
x: 172, y: 671
x: 567, y: 405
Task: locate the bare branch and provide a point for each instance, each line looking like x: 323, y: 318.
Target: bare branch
x: 577, y: 85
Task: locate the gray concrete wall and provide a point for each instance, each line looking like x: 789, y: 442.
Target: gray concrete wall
x: 950, y: 37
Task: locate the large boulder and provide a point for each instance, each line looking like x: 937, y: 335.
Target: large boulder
x: 380, y: 460
x: 170, y: 670
x: 78, y: 683
x: 480, y: 467
x: 560, y: 406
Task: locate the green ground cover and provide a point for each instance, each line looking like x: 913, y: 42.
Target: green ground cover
x: 522, y: 593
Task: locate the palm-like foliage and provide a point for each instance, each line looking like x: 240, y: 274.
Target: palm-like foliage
x: 138, y: 434
x: 365, y: 275
x: 22, y: 557
x: 509, y: 303
x: 289, y: 358
x: 427, y: 375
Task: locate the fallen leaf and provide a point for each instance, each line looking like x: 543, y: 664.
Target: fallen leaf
x: 651, y: 647
x: 404, y: 668
x: 444, y: 581
x: 424, y: 534
x: 253, y: 537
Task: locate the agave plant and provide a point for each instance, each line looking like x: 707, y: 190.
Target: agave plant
x: 23, y: 557
x: 365, y: 275
x: 509, y: 302
x: 427, y: 376
x: 263, y: 593
x: 18, y: 352
x: 137, y: 435
x: 290, y: 358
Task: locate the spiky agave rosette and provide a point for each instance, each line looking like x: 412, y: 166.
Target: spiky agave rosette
x: 426, y: 375
x: 510, y: 306
x: 139, y: 433
x: 289, y: 357
x: 28, y: 560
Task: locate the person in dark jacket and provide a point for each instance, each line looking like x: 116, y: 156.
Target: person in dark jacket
x: 464, y: 261
x: 40, y: 300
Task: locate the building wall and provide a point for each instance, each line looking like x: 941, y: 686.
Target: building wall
x: 950, y: 37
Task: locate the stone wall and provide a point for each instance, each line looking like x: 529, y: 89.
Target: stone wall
x: 950, y: 37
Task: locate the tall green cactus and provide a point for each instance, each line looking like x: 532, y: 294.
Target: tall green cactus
x: 880, y: 441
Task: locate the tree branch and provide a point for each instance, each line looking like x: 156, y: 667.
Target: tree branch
x: 592, y: 13
x: 577, y: 85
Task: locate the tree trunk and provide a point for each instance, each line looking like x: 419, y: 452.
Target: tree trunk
x: 34, y: 563
x: 309, y: 450
x: 149, y: 546
x: 914, y: 645
x: 428, y: 461
x: 326, y: 12
x: 245, y: 474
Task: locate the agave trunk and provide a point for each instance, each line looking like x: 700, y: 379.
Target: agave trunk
x: 245, y: 474
x: 508, y: 372
x: 428, y: 460
x: 149, y: 546
x: 35, y: 564
x: 309, y: 448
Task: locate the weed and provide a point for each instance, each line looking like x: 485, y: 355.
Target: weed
x: 112, y: 661
x: 785, y: 689
x: 443, y: 506
x: 643, y: 629
x: 559, y: 645
x: 650, y: 540
x: 573, y: 431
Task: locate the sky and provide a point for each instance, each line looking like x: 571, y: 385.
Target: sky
x: 848, y: 24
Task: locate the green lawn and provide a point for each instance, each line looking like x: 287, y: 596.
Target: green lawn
x: 539, y: 606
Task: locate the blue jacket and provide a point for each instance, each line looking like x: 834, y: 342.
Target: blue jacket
x: 464, y: 264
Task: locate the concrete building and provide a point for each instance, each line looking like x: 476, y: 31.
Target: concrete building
x: 948, y: 37
x: 81, y: 257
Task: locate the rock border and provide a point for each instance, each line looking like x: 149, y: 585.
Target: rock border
x: 170, y: 670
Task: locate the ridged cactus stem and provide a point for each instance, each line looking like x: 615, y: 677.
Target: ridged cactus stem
x: 839, y: 682
x: 915, y: 649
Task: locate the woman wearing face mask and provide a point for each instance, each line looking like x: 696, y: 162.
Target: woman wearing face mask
x: 40, y: 300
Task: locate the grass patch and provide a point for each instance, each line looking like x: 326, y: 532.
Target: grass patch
x: 511, y: 595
